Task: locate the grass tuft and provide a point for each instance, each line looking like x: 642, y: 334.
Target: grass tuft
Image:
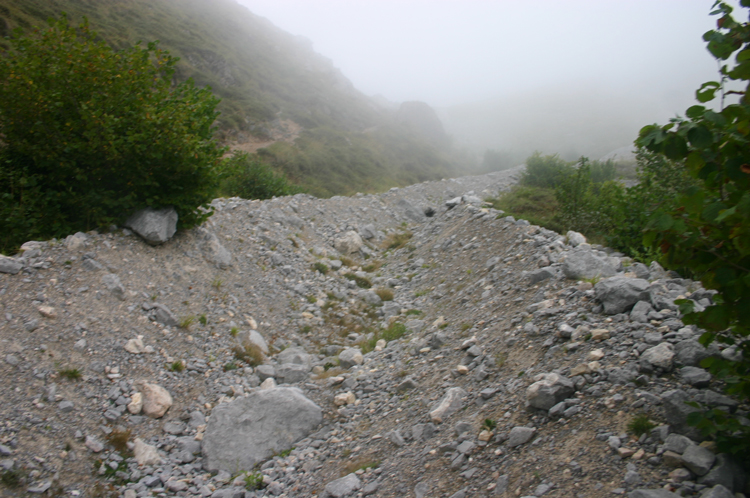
x: 70, y: 373
x: 640, y: 424
x: 250, y: 354
x: 385, y: 294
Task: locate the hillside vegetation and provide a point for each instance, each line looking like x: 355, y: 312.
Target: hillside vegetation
x: 263, y: 75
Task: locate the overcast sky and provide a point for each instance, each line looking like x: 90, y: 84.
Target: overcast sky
x: 448, y: 52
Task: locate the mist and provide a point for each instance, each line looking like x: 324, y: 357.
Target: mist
x: 579, y: 77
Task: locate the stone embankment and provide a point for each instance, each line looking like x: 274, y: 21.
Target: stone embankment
x: 411, y: 343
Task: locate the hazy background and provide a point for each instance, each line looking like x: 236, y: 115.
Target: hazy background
x: 574, y: 76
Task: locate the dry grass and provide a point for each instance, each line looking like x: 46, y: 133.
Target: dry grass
x: 384, y: 294
x: 396, y: 240
x: 250, y: 354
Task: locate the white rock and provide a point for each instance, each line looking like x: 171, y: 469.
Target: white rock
x: 156, y: 399
x: 136, y: 404
x: 145, y: 454
x: 269, y: 383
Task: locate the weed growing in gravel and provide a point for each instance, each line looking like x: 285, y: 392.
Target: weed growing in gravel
x: 253, y: 481
x: 176, y: 366
x: 13, y: 478
x: 422, y: 293
x: 374, y: 266
x: 500, y: 360
x: 413, y: 312
x: 360, y: 463
x: 347, y: 261
x: 186, y: 322
x: 311, y: 299
x: 230, y: 366
x: 640, y: 424
x: 216, y: 283
x: 397, y: 240
x: 385, y: 294
x: 234, y: 331
x: 489, y: 424
x: 443, y: 325
x: 321, y: 268
x: 119, y: 440
x: 362, y: 282
x: 250, y: 354
x: 70, y: 373
x: 592, y: 280
x: 396, y: 330
x: 202, y: 319
x: 306, y: 329
x: 465, y: 327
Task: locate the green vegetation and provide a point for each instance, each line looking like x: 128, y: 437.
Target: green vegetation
x: 489, y: 425
x: 70, y: 373
x: 186, y: 321
x: 640, y: 424
x: 253, y: 481
x: 395, y: 330
x: 384, y: 294
x: 397, y: 240
x: 249, y: 353
x: 230, y: 366
x: 320, y: 268
x: 250, y: 178
x: 176, y: 366
x: 202, y: 319
x: 706, y: 231
x: 13, y: 478
x: 361, y: 282
x: 91, y: 134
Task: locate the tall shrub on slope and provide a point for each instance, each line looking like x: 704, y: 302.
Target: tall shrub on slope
x: 90, y: 134
x: 709, y: 232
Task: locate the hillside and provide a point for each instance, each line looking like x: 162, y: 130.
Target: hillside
x: 270, y: 83
x: 352, y: 346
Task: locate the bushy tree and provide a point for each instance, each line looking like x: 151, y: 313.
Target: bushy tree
x: 89, y: 134
x: 544, y: 171
x: 250, y: 178
x: 709, y: 230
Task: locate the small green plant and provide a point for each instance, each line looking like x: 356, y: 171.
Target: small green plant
x: 203, y: 319
x: 70, y: 373
x: 306, y: 329
x: 587, y: 337
x: 230, y: 366
x: 320, y: 268
x: 396, y: 330
x: 421, y: 293
x: 234, y: 331
x: 361, y: 282
x: 468, y: 272
x: 13, y: 478
x: 593, y: 280
x: 285, y: 453
x: 176, y: 366
x: 311, y: 299
x: 500, y: 360
x: 68, y: 262
x: 465, y: 327
x: 413, y: 312
x: 374, y: 266
x: 186, y: 322
x: 443, y: 325
x: 119, y: 440
x: 396, y: 240
x: 385, y: 294
x: 521, y: 373
x: 253, y: 481
x: 489, y: 424
x: 250, y: 354
x: 348, y: 262
x: 217, y: 283
x: 640, y: 424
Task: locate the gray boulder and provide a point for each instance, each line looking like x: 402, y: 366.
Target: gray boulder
x: 214, y: 252
x: 536, y: 276
x: 350, y: 357
x: 660, y: 356
x: 585, y: 264
x: 690, y: 353
x: 348, y: 243
x: 165, y: 316
x: 640, y: 312
x: 343, y: 487
x: 291, y: 373
x: 450, y: 404
x: 251, y: 338
x: 652, y: 493
x: 698, y: 459
x: 575, y: 239
x: 549, y: 390
x: 410, y: 211
x: 676, y: 412
x: 696, y: 377
x: 619, y: 294
x: 718, y: 491
x: 155, y: 226
x: 368, y: 232
x: 295, y: 355
x: 113, y: 285
x: 251, y: 429
x: 10, y: 265
x: 519, y: 436
x: 725, y: 472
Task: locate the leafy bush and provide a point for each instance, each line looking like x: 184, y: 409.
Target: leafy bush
x: 544, y: 171
x: 253, y: 179
x: 707, y: 231
x: 91, y: 134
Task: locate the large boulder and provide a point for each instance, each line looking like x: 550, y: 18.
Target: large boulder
x: 348, y: 243
x: 660, y: 356
x: 586, y: 264
x: 155, y: 226
x: 251, y: 429
x: 549, y: 390
x: 676, y: 411
x: 450, y: 404
x: 295, y: 355
x: 9, y: 265
x: 619, y: 294
x: 410, y: 211
x: 247, y: 339
x: 156, y: 399
x: 214, y: 252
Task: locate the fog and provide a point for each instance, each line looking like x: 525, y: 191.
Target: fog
x: 517, y: 75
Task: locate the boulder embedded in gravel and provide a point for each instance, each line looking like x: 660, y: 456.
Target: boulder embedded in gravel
x: 584, y: 263
x: 10, y: 265
x: 251, y: 338
x: 619, y: 294
x: 213, y: 250
x: 410, y: 211
x: 696, y: 377
x: 676, y: 413
x: 146, y: 454
x: 519, y: 436
x: 295, y: 355
x: 368, y: 232
x: 549, y: 390
x: 350, y: 357
x: 114, y: 285
x: 698, y: 459
x: 690, y: 353
x: 165, y: 316
x: 640, y: 312
x: 725, y: 472
x: 536, y: 276
x: 291, y: 373
x: 661, y: 356
x: 448, y: 405
x: 156, y: 399
x: 343, y: 487
x: 155, y: 226
x: 348, y: 243
x: 575, y: 239
x: 718, y: 491
x: 251, y: 429
x: 652, y: 493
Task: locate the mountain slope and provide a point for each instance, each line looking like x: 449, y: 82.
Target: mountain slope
x: 264, y: 76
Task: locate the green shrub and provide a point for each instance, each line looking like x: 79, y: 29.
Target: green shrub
x: 384, y: 294
x: 544, y: 171
x: 707, y: 230
x: 362, y: 282
x: 640, y: 424
x: 320, y: 268
x: 251, y: 178
x: 91, y: 134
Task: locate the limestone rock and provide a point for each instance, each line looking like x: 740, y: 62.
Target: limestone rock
x: 146, y: 454
x: 295, y: 355
x: 136, y: 404
x: 10, y: 265
x: 619, y: 294
x: 250, y: 429
x: 676, y: 412
x: 585, y: 264
x: 661, y: 356
x: 410, y: 211
x: 548, y: 390
x: 114, y: 285
x: 214, y: 252
x: 246, y: 338
x: 450, y: 404
x: 519, y: 436
x: 350, y: 357
x: 343, y: 487
x: 156, y: 399
x: 348, y: 243
x: 155, y: 226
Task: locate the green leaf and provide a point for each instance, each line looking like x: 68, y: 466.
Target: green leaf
x: 700, y: 137
x: 675, y: 147
x: 695, y: 111
x: 707, y: 90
